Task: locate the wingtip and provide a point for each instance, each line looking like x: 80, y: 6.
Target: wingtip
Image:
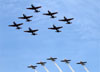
x: 26, y: 8
x: 22, y: 23
x: 40, y: 6
x: 57, y: 12
x: 9, y: 25
x: 24, y: 31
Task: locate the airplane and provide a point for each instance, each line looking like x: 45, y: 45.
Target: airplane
x: 26, y: 17
x: 34, y: 8
x: 31, y: 66
x: 51, y: 14
x: 82, y: 63
x: 16, y: 25
x: 67, y: 20
x: 53, y: 59
x: 32, y: 31
x: 42, y: 63
x: 56, y: 28
x: 66, y: 61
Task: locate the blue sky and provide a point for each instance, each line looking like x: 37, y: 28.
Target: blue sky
x: 78, y: 41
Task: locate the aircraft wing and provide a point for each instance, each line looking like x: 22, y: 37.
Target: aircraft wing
x: 29, y: 8
x: 38, y: 7
x: 29, y: 16
x: 21, y: 17
x: 30, y: 66
x: 78, y: 63
x: 62, y: 61
x: 68, y: 60
x: 54, y: 13
x: 44, y: 62
x: 12, y: 25
x: 20, y: 24
x: 27, y: 31
x: 34, y: 30
x: 70, y: 19
x: 84, y: 62
x: 46, y: 14
x: 38, y: 63
x: 55, y: 58
x: 51, y: 28
x: 59, y: 27
x: 48, y: 59
x: 62, y: 20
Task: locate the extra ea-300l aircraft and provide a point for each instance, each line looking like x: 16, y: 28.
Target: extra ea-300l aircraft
x: 26, y: 17
x: 34, y: 8
x: 56, y: 28
x: 51, y: 14
x: 16, y: 25
x: 31, y: 31
x: 66, y: 20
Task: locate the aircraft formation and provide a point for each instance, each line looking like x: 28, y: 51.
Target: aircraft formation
x: 36, y: 10
x: 67, y: 61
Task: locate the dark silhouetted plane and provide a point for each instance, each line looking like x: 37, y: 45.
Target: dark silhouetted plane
x: 32, y: 31
x: 51, y: 14
x: 16, y: 25
x: 66, y: 61
x: 56, y: 28
x: 51, y: 58
x: 67, y: 20
x: 34, y: 8
x: 31, y: 66
x: 42, y: 63
x: 82, y: 63
x: 26, y: 17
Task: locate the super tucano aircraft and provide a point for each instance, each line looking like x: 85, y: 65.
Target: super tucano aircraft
x: 26, y: 17
x: 34, y: 8
x: 16, y: 25
x: 82, y: 63
x: 66, y: 61
x: 31, y: 66
x: 51, y: 14
x: 66, y: 20
x: 32, y: 31
x: 42, y: 63
x: 56, y: 28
